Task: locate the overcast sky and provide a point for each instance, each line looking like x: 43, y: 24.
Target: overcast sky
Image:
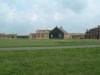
x: 26, y: 16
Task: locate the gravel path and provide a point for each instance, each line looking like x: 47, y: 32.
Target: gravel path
x: 41, y: 48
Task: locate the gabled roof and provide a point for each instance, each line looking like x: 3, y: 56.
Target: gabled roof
x: 94, y: 29
x: 61, y: 29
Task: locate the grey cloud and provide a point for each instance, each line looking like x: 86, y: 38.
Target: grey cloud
x: 75, y: 5
x: 73, y: 14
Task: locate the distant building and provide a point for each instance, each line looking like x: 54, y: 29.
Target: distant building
x: 32, y: 36
x: 77, y: 35
x: 58, y: 33
x: 93, y: 33
x: 22, y: 36
x: 40, y: 34
x: 4, y: 36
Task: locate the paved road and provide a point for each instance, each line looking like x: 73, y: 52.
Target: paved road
x: 41, y: 48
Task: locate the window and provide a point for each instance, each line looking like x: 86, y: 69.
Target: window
x: 51, y: 35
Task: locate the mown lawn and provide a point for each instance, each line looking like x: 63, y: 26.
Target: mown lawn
x: 54, y: 42
x: 83, y: 61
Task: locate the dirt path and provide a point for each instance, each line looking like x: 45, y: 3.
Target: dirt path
x: 41, y: 48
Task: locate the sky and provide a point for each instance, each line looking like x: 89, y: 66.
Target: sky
x: 26, y: 16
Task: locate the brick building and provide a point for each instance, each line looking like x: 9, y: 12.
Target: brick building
x: 93, y: 33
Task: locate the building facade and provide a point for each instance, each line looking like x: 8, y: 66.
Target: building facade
x: 77, y: 35
x: 32, y: 36
x: 40, y: 34
x: 93, y: 33
x: 58, y: 33
x: 4, y: 36
x: 22, y: 37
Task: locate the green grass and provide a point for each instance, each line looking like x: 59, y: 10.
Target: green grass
x: 32, y: 43
x: 83, y: 61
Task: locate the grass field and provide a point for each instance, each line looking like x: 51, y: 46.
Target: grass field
x: 83, y: 61
x: 32, y: 43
